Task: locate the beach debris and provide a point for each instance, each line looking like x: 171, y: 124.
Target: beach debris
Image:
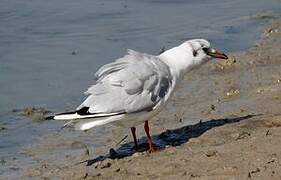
x: 193, y: 175
x: 271, y: 161
x: 271, y: 30
x: 85, y: 175
x: 268, y: 133
x: 179, y: 116
x: 243, y: 135
x: 255, y: 170
x: 260, y: 90
x: 232, y: 92
x: 105, y: 164
x: 34, y: 113
x: 213, y: 107
x: 211, y: 153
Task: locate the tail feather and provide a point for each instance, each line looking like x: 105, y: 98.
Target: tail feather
x: 61, y: 116
x: 84, y: 122
x: 75, y: 115
x: 69, y: 116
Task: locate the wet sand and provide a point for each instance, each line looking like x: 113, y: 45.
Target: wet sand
x: 224, y: 123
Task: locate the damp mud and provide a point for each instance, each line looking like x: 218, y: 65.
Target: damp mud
x: 223, y: 123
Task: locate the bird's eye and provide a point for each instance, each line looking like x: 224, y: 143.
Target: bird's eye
x: 205, y: 49
x: 195, y: 53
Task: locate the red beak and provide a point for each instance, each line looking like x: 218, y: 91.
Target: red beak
x: 217, y: 54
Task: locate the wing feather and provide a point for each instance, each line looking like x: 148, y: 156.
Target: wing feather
x: 133, y: 83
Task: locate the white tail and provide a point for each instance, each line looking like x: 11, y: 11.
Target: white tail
x: 84, y: 122
x: 67, y: 116
x: 75, y: 115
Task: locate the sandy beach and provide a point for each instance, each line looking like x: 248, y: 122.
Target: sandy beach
x: 235, y: 108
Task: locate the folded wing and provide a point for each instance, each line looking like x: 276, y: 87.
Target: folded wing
x: 134, y: 83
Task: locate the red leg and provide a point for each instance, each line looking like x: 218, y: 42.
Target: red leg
x: 149, y: 140
x: 133, y: 130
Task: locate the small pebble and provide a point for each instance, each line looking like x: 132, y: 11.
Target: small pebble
x: 255, y: 171
x: 243, y: 135
x: 213, y: 107
x: 106, y: 165
x: 233, y: 92
x: 211, y: 153
x: 85, y: 176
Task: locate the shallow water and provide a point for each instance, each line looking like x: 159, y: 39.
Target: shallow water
x: 49, y: 50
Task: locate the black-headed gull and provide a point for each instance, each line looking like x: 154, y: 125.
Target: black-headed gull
x: 134, y: 88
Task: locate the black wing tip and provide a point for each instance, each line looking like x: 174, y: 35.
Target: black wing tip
x: 83, y: 111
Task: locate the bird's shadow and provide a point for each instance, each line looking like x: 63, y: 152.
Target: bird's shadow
x: 173, y: 137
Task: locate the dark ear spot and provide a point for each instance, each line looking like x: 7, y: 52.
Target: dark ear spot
x: 194, y: 53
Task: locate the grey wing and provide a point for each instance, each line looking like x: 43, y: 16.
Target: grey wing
x: 133, y: 83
